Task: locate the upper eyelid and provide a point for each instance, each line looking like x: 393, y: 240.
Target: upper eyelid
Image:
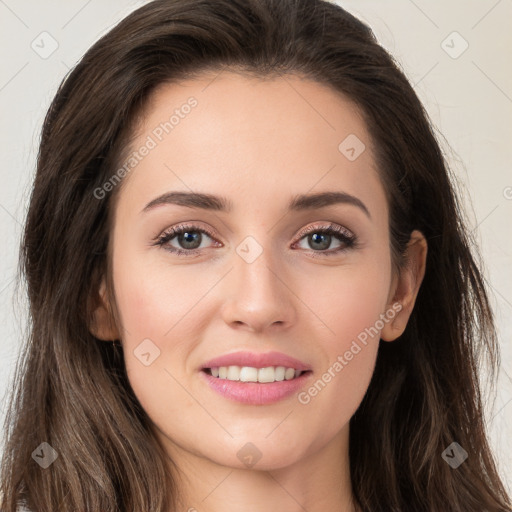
x: 325, y: 227
x: 301, y: 234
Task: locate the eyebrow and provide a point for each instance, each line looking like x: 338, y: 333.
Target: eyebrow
x: 222, y: 204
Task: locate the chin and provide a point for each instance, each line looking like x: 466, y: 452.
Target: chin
x: 260, y: 454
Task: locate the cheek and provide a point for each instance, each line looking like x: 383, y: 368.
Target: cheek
x: 347, y: 300
x: 156, y: 301
x: 159, y: 317
x: 340, y: 383
x: 159, y: 310
x: 352, y: 310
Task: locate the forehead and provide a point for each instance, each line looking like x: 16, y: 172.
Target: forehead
x: 228, y: 133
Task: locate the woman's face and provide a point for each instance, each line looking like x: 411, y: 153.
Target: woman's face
x: 256, y: 272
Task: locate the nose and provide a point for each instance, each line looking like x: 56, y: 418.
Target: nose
x: 258, y: 295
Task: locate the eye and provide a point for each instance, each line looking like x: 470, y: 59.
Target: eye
x: 188, y: 239
x: 321, y: 238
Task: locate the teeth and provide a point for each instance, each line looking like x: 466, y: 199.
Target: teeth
x: 289, y: 373
x: 244, y: 374
x: 250, y: 374
x: 279, y: 373
x: 233, y: 373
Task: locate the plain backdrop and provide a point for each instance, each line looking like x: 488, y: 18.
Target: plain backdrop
x: 456, y: 54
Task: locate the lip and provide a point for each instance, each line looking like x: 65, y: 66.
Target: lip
x: 256, y: 393
x: 255, y: 360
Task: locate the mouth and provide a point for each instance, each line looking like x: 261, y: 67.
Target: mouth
x: 264, y: 375
x: 256, y: 378
x: 249, y: 385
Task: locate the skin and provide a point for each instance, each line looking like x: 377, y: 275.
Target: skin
x: 258, y: 143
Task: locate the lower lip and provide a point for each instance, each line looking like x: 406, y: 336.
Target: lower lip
x: 255, y: 393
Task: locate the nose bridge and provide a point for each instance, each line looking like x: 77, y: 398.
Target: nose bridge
x: 258, y: 295
x: 256, y: 269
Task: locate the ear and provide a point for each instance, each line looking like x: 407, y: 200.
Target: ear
x: 406, y: 286
x: 102, y: 324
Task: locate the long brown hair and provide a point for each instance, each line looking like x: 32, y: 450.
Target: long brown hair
x: 71, y: 389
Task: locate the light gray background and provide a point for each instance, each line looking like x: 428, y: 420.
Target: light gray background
x: 468, y: 94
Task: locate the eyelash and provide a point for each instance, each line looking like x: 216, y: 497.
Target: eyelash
x: 341, y: 234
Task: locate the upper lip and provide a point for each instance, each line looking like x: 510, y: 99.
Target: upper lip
x: 256, y: 360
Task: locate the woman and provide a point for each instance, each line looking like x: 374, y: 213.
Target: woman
x: 250, y: 285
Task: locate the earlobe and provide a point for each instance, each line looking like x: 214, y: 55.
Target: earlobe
x: 407, y: 286
x: 102, y: 325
